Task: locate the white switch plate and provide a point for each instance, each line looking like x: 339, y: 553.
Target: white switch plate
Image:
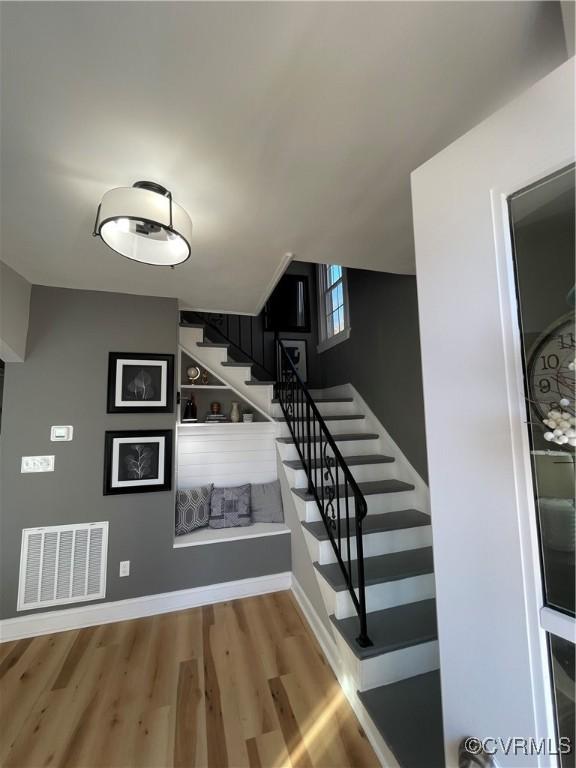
x: 124, y: 567
x: 37, y: 464
x: 61, y: 434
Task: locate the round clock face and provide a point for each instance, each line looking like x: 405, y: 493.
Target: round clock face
x: 550, y: 377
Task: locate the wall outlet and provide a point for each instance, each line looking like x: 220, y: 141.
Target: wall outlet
x: 37, y: 464
x: 125, y: 568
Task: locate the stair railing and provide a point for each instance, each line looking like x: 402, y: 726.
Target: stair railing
x: 246, y: 336
x: 330, y: 481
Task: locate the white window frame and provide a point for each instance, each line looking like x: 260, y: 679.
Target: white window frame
x: 326, y: 341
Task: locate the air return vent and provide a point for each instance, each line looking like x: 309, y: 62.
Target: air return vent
x: 62, y: 564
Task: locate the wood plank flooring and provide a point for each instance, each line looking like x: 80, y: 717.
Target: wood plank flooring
x: 241, y: 684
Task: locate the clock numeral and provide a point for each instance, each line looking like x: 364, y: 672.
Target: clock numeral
x: 549, y: 361
x: 566, y: 340
x: 544, y: 386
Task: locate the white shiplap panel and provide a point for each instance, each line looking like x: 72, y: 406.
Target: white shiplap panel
x: 227, y: 454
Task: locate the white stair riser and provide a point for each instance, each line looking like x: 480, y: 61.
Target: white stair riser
x: 375, y: 544
x: 378, y: 596
x: 378, y: 503
x: 388, y: 667
x: 335, y: 426
x: 326, y: 409
x: 288, y: 451
x: 189, y: 337
x: 363, y: 473
x: 238, y: 376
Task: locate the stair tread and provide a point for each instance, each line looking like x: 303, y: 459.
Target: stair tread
x: 234, y: 364
x: 368, y: 489
x: 336, y: 417
x: 325, y: 400
x: 192, y: 325
x: 392, y: 628
x: 387, y: 521
x: 382, y: 568
x: 352, y: 461
x: 212, y: 344
x: 256, y: 383
x: 338, y: 438
x: 408, y: 714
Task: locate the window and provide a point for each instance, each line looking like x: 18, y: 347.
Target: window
x: 333, y: 315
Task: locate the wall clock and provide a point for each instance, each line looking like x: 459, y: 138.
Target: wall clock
x: 551, y: 369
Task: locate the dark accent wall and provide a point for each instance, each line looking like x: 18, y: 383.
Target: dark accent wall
x: 263, y: 347
x: 63, y: 381
x: 381, y: 359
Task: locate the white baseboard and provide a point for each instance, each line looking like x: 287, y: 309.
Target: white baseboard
x: 330, y: 650
x: 49, y: 622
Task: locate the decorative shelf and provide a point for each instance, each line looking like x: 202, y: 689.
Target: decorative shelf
x: 204, y: 386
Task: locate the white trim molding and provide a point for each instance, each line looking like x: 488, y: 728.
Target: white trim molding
x: 558, y: 624
x: 48, y: 622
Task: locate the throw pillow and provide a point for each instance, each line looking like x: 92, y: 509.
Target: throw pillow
x: 192, y: 509
x: 266, y: 503
x: 230, y: 507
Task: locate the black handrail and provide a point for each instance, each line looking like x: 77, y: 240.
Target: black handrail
x: 313, y: 441
x: 252, y: 344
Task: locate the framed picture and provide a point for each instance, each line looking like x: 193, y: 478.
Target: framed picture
x: 140, y: 383
x: 297, y: 350
x: 137, y: 461
x: 288, y: 308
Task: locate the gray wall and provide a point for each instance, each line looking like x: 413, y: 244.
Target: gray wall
x: 15, y: 305
x: 63, y: 381
x: 381, y: 359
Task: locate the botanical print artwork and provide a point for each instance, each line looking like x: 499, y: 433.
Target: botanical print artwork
x: 141, y: 382
x: 137, y: 461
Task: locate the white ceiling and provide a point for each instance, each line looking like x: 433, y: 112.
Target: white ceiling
x: 280, y: 127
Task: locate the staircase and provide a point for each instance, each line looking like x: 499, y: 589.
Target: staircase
x: 396, y: 672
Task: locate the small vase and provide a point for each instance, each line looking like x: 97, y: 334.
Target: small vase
x: 235, y: 412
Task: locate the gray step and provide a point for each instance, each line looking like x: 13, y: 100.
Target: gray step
x: 192, y: 325
x: 234, y: 364
x: 211, y: 344
x: 392, y: 629
x: 368, y: 489
x: 256, y: 383
x: 382, y: 569
x: 408, y: 714
x: 346, y: 417
x: 387, y: 521
x: 338, y: 438
x: 351, y: 461
x: 325, y: 400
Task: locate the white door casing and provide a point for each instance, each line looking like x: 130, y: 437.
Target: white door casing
x: 493, y: 656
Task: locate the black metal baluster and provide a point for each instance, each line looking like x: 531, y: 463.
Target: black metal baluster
x: 311, y: 482
x: 346, y: 492
x: 338, y: 510
x: 361, y: 510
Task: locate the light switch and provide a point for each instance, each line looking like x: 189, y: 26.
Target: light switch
x: 37, y: 464
x: 61, y: 434
x: 125, y: 568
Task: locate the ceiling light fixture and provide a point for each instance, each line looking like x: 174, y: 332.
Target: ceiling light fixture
x: 143, y: 223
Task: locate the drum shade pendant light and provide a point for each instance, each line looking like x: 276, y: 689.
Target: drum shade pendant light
x: 143, y: 223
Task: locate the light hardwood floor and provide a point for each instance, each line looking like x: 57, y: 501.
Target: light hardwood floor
x: 242, y: 683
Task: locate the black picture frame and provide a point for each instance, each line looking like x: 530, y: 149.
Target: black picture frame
x: 119, y: 470
x: 129, y: 376
x: 302, y: 364
x: 288, y: 308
